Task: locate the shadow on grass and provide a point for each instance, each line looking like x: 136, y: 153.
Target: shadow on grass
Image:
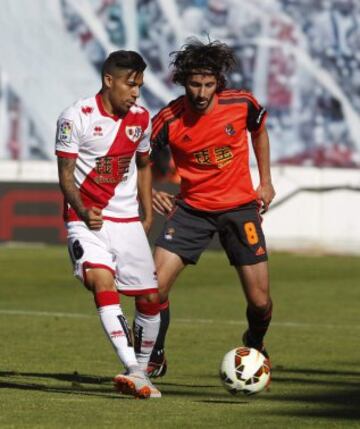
x: 312, y: 371
x: 332, y: 394
x: 24, y: 381
x: 90, y: 385
x: 216, y: 401
x: 336, y: 404
x: 73, y: 377
x: 328, y: 394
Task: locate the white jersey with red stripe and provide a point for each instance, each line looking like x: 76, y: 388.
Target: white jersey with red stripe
x: 105, y: 149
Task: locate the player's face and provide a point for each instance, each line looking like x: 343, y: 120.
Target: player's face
x: 123, y: 90
x: 200, y: 90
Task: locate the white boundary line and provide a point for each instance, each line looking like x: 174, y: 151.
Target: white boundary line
x: 177, y: 320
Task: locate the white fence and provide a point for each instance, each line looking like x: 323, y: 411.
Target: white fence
x: 315, y: 210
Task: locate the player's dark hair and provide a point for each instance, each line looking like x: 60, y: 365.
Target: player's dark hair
x: 214, y: 58
x: 120, y: 60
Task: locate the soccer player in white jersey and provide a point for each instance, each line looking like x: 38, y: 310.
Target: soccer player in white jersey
x: 102, y: 145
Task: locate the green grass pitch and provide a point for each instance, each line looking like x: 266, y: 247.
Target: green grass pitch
x: 56, y: 365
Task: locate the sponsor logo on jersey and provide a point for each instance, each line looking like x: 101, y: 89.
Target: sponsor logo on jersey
x: 230, y: 130
x: 97, y: 131
x: 87, y: 110
x: 65, y: 130
x: 133, y: 133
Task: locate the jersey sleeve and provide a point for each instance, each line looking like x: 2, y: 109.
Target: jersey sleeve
x: 144, y: 145
x: 160, y: 150
x: 256, y: 116
x: 67, y: 134
x: 159, y: 137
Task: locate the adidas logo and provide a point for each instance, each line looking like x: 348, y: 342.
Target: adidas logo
x: 260, y: 251
x: 186, y: 138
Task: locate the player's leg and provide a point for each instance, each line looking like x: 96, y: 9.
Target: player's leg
x: 101, y: 283
x: 136, y: 276
x: 255, y: 281
x: 94, y: 265
x: 243, y: 240
x: 146, y: 326
x: 185, y: 235
x: 169, y: 265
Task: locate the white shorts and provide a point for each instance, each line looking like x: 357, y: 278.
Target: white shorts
x: 120, y: 247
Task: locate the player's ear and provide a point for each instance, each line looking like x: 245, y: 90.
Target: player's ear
x: 108, y: 80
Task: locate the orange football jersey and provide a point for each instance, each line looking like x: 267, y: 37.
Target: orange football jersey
x: 211, y: 150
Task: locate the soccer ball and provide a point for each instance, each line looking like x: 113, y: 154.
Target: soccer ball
x: 245, y: 370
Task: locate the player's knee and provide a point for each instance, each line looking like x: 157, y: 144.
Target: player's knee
x: 164, y: 289
x: 152, y: 298
x: 148, y: 304
x: 163, y: 296
x: 97, y: 281
x: 261, y: 305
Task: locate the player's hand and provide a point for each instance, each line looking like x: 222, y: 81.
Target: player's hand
x: 146, y: 223
x: 266, y: 193
x: 93, y: 218
x: 162, y: 202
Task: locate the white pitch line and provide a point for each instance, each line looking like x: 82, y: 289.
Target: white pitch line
x: 44, y: 314
x: 181, y: 321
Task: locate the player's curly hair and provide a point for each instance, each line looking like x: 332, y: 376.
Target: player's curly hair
x: 214, y: 58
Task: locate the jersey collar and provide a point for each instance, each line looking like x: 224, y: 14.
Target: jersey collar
x: 102, y: 110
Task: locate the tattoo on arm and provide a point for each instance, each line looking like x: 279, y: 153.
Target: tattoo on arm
x: 66, y: 168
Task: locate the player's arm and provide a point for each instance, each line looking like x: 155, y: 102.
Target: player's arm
x: 260, y: 142
x: 145, y: 188
x: 92, y: 217
x: 162, y: 201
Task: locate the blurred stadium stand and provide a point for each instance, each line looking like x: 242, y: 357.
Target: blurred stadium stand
x: 300, y: 58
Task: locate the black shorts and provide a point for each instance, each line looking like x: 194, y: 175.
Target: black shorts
x: 187, y: 233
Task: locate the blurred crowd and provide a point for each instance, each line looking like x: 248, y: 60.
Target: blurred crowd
x: 301, y: 58
x: 284, y: 49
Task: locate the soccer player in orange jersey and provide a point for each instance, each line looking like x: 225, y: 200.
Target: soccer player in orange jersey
x: 206, y: 130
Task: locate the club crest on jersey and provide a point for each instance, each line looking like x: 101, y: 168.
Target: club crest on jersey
x: 65, y: 130
x: 133, y: 133
x: 230, y: 130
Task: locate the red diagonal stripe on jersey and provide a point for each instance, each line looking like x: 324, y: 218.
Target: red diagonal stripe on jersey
x: 94, y: 191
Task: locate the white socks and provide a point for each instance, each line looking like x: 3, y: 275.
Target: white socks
x: 117, y: 329
x: 146, y: 328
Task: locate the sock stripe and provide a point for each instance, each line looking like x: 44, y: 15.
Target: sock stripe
x: 164, y: 305
x: 148, y: 308
x: 107, y: 297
